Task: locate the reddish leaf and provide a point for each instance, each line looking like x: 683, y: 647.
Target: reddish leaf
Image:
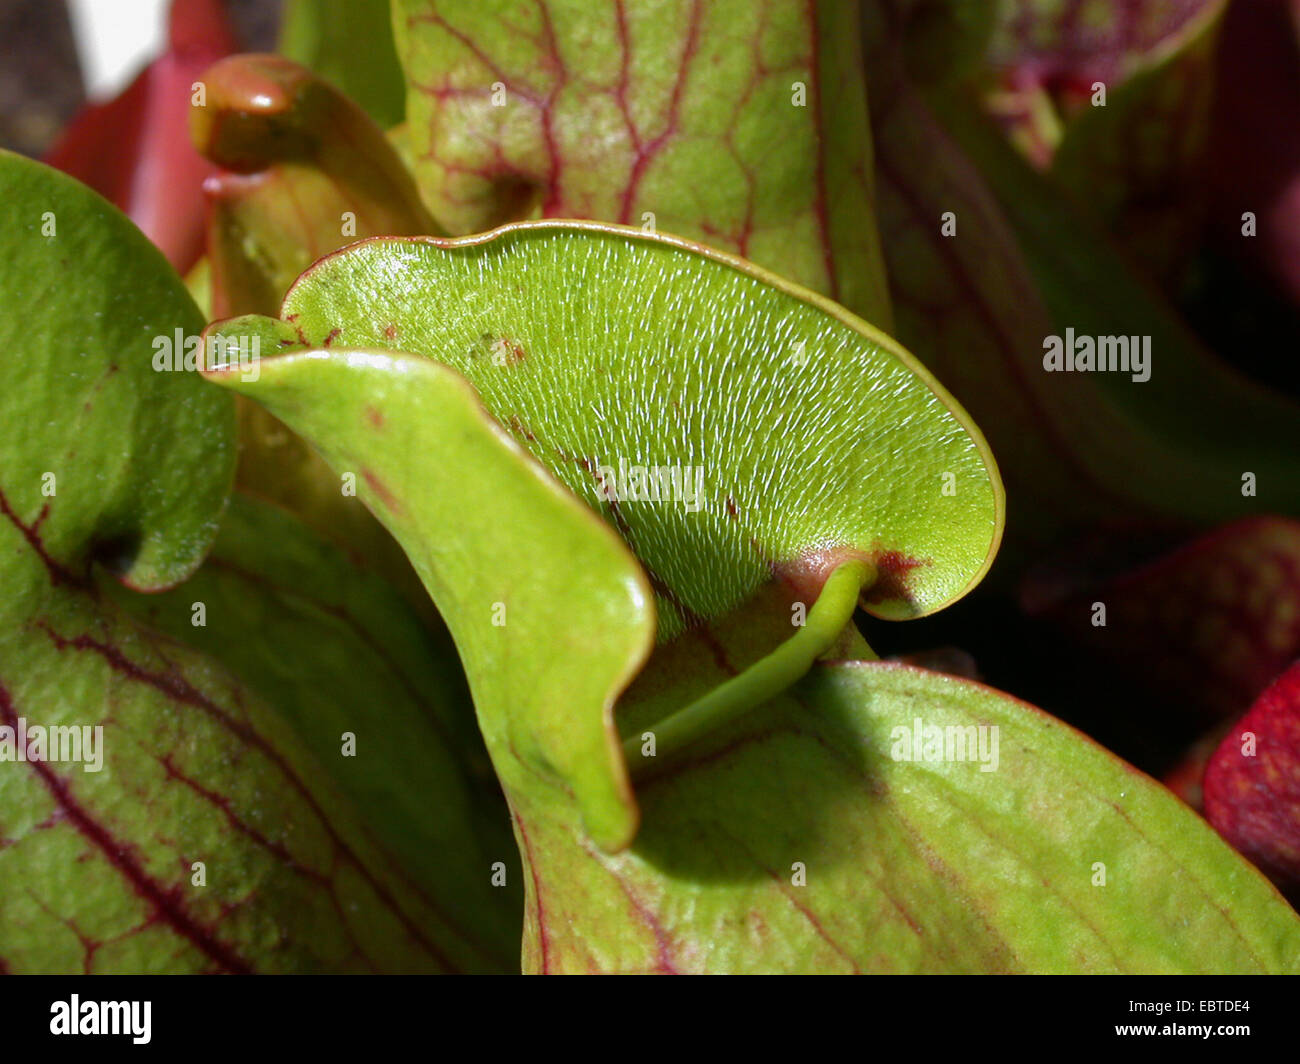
x: 1252, y: 783
x: 1053, y: 46
x: 1207, y: 626
x: 1137, y: 163
x: 1257, y: 136
x: 135, y: 149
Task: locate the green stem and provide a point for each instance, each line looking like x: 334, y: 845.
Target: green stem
x: 768, y: 676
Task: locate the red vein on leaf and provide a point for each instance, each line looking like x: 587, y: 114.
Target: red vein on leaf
x: 478, y: 53
x: 875, y: 788
x: 646, y: 153
x: 59, y: 574
x: 819, y: 199
x: 624, y: 74
x: 1187, y: 870
x: 663, y: 941
x: 554, y: 201
x: 992, y: 323
x: 177, y: 688
x: 538, y: 904
x: 357, y: 631
x: 118, y: 854
x: 222, y: 802
x: 276, y: 849
x: 803, y: 910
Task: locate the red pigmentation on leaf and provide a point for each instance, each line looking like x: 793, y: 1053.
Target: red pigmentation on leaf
x: 135, y: 150
x: 893, y: 578
x: 1252, y: 783
x: 1206, y: 626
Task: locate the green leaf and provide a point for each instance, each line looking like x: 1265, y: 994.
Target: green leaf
x: 907, y: 866
x: 977, y: 306
x: 547, y: 647
x: 338, y: 652
x: 305, y: 172
x: 310, y: 173
x: 105, y: 458
x: 833, y: 446
x: 741, y: 125
x: 105, y: 418
x: 796, y: 427
x: 349, y: 43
